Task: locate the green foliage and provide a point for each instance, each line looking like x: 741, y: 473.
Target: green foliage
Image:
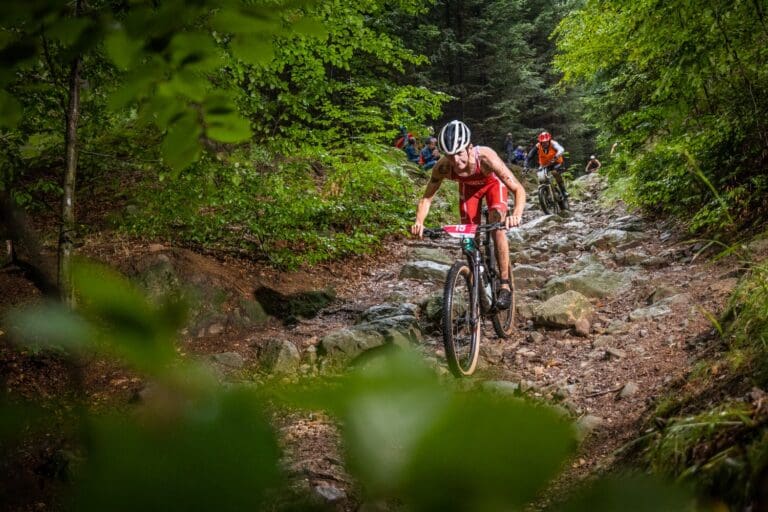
x: 164, y: 52
x: 335, y: 86
x: 192, y: 443
x: 212, y: 451
x: 711, y: 451
x: 681, y: 86
x: 311, y: 207
x: 748, y: 311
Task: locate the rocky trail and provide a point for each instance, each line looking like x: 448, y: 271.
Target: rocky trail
x: 612, y: 311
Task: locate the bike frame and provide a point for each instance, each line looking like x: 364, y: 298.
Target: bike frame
x: 477, y: 255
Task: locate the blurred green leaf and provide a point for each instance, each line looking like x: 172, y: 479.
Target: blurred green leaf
x: 130, y: 326
x: 243, y: 20
x: 134, y: 87
x: 185, y: 83
x: 223, y: 121
x: 194, y: 50
x: 50, y: 325
x: 181, y: 146
x: 217, y: 453
x: 309, y: 27
x: 493, y: 453
x: 232, y: 128
x: 122, y: 49
x: 388, y: 406
x: 252, y: 49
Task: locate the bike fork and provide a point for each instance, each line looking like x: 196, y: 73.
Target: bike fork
x: 476, y: 284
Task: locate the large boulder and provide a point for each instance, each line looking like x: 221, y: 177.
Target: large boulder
x: 279, y: 357
x: 218, y: 299
x: 567, y: 310
x: 380, y: 325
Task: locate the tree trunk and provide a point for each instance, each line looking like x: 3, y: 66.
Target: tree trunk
x: 67, y: 232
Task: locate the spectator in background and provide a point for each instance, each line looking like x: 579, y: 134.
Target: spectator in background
x: 429, y: 154
x: 412, y: 150
x: 593, y: 164
x: 509, y: 149
x: 402, y: 138
x: 519, y: 156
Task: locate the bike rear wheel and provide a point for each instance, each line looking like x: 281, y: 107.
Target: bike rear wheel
x: 560, y: 200
x: 504, y: 320
x: 461, y: 321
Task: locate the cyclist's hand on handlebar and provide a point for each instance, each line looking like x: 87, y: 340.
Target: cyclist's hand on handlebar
x: 417, y: 229
x: 512, y: 221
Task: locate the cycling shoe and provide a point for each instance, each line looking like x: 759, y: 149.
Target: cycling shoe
x: 504, y: 300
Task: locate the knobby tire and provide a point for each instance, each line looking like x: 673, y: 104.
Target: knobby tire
x: 460, y: 337
x: 504, y: 320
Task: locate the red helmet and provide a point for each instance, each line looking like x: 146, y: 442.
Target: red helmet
x: 545, y: 137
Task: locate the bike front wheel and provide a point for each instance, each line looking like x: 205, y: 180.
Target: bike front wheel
x: 504, y: 320
x: 546, y: 201
x: 461, y: 321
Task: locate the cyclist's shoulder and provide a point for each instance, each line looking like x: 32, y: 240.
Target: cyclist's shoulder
x: 442, y: 168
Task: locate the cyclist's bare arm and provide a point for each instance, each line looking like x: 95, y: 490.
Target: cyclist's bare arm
x: 492, y: 162
x: 440, y: 171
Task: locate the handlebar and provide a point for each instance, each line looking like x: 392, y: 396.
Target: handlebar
x: 434, y: 233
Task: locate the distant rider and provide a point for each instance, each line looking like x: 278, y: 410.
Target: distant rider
x: 480, y: 173
x: 593, y: 165
x: 550, y: 155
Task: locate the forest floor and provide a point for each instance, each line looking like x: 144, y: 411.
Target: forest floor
x: 609, y: 378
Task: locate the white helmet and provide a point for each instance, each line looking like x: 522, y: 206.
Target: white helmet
x: 454, y: 137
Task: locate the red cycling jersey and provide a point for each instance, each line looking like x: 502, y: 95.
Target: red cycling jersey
x: 474, y: 187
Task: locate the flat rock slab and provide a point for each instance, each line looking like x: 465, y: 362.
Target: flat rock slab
x: 434, y: 255
x: 593, y: 281
x: 424, y: 270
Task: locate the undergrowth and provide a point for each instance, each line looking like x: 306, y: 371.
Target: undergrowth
x: 712, y: 433
x: 309, y: 207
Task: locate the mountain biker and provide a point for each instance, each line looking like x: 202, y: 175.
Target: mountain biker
x: 480, y: 173
x: 550, y: 155
x: 593, y: 165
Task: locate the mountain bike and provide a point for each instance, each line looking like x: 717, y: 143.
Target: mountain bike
x: 470, y: 293
x: 551, y: 198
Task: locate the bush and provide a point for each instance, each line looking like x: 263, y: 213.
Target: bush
x: 309, y: 207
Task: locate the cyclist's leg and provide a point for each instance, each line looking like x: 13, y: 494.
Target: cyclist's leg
x: 496, y: 199
x: 558, y: 174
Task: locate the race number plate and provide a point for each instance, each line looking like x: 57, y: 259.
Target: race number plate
x: 460, y: 230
